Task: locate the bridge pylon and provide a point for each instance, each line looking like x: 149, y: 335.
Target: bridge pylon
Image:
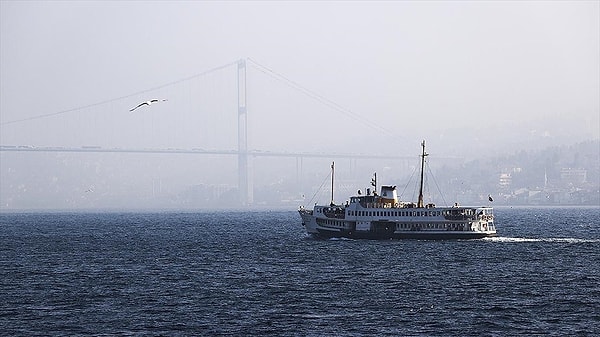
x: 245, y: 189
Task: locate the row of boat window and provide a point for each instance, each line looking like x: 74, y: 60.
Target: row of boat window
x: 394, y: 213
x: 331, y: 223
x: 446, y: 226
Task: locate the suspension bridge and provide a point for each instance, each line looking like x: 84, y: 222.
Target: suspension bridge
x: 208, y: 114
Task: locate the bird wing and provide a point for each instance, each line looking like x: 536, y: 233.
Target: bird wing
x: 139, y: 105
x: 154, y: 100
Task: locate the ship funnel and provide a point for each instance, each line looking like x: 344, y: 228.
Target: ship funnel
x: 389, y: 194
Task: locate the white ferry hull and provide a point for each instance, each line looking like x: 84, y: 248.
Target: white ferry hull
x: 326, y: 234
x: 320, y: 225
x: 383, y: 217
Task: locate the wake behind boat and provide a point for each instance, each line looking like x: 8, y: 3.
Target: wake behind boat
x: 383, y: 216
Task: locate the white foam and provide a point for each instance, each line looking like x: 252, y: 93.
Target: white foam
x: 564, y: 240
x: 341, y: 239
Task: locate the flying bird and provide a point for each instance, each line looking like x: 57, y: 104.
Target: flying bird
x: 490, y: 198
x: 147, y: 103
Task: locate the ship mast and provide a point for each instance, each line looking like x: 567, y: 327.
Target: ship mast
x: 374, y: 182
x: 332, y: 175
x: 423, y: 155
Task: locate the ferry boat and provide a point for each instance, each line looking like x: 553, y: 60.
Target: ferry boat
x: 382, y: 216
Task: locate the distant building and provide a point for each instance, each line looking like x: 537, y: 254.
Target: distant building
x: 574, y: 177
x: 505, y: 180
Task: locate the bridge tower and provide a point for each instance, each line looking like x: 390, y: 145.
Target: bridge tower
x: 244, y: 184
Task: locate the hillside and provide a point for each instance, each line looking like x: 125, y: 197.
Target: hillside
x: 559, y: 175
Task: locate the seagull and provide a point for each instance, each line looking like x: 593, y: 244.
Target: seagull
x: 148, y: 103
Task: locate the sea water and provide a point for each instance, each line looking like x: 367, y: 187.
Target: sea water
x: 258, y: 273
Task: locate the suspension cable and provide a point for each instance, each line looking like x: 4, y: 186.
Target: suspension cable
x: 320, y: 98
x: 121, y: 97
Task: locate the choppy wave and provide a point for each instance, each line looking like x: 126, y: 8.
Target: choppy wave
x: 253, y: 274
x: 561, y: 240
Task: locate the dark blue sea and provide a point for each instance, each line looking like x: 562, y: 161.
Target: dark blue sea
x: 258, y: 274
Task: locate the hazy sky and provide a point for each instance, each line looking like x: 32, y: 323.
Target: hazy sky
x: 414, y: 67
